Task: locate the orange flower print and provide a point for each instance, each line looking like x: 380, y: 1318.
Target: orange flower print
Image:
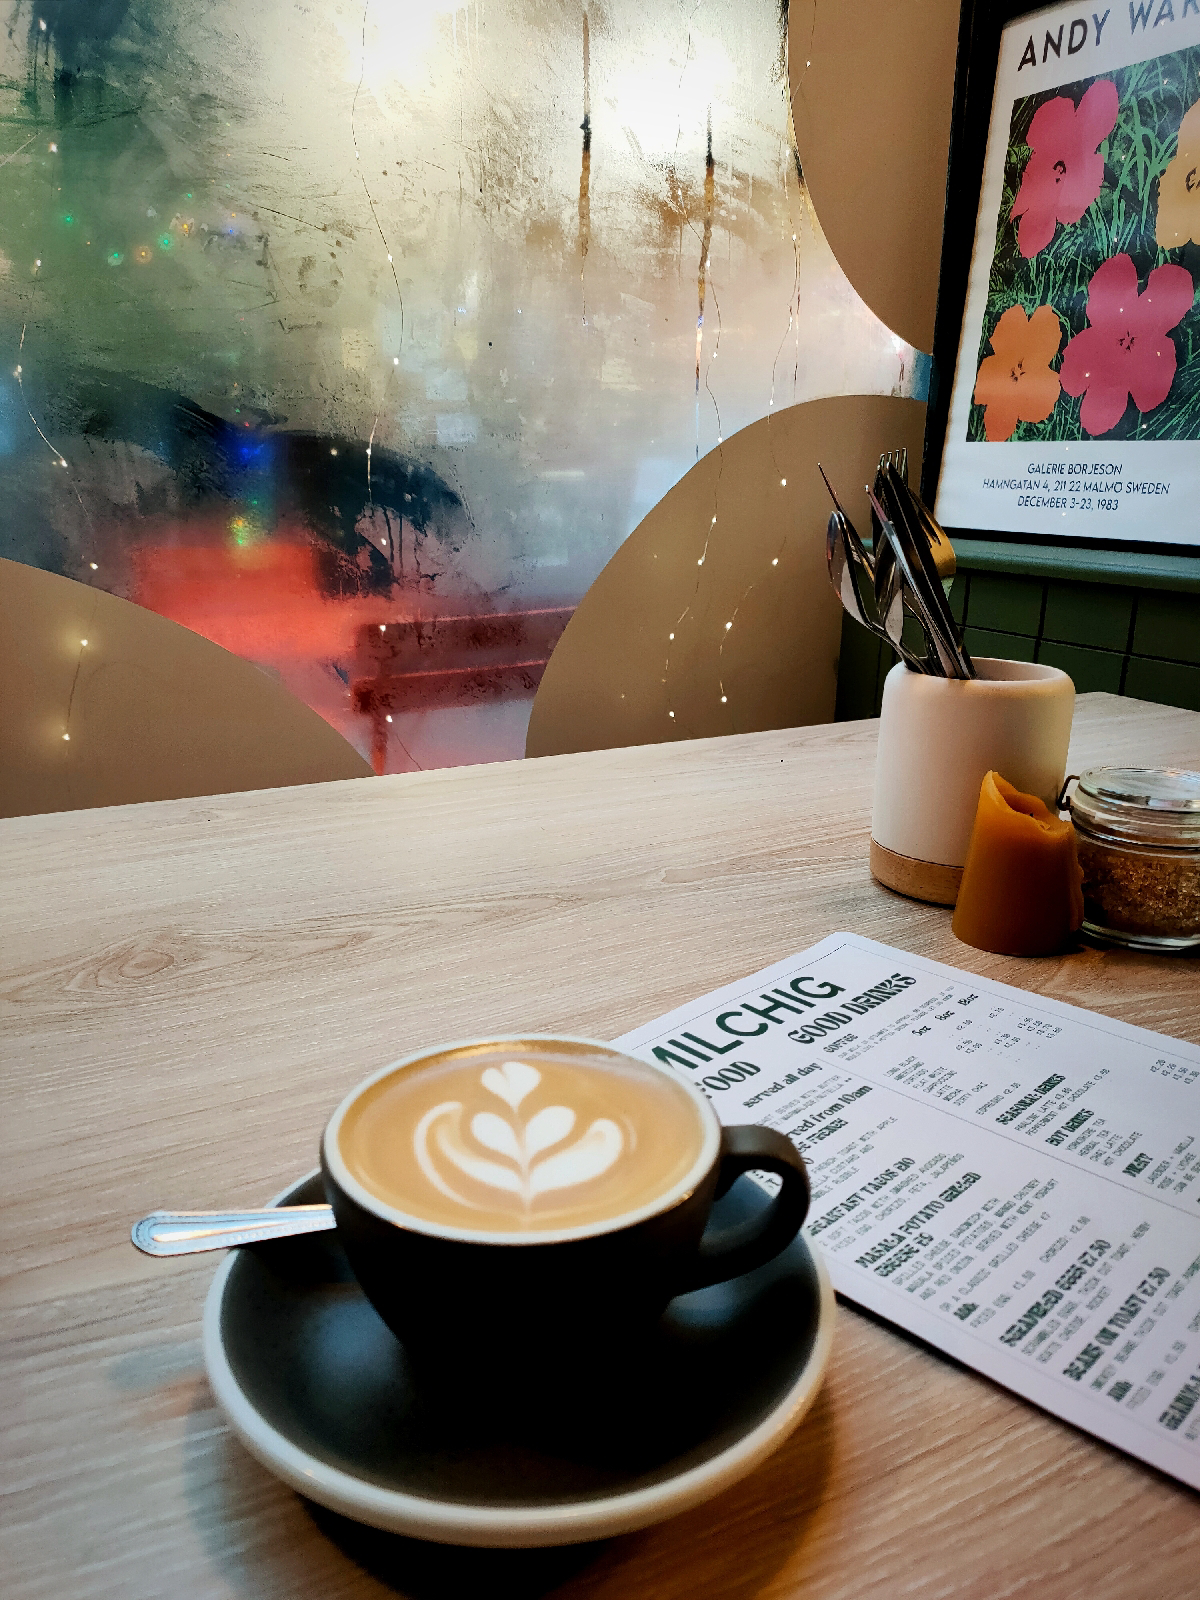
x: 1178, y: 219
x: 1015, y: 383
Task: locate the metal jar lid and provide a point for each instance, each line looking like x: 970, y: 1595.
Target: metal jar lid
x: 1156, y: 807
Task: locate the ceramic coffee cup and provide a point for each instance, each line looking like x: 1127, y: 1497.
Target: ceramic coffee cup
x: 540, y: 1194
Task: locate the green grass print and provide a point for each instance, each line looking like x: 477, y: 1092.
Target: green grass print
x: 1153, y: 97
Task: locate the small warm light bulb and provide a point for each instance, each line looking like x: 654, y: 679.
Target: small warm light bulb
x: 53, y: 149
x: 388, y: 718
x: 670, y: 636
x: 713, y: 523
x: 774, y: 561
x: 783, y: 483
x: 83, y: 641
x: 389, y: 258
x: 333, y: 450
x: 383, y: 627
x: 669, y: 713
x: 700, y: 563
x: 395, y: 361
x: 728, y: 625
x: 93, y: 566
x: 724, y: 699
x: 67, y: 737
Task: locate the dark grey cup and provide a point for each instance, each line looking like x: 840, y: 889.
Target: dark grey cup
x: 531, y: 1302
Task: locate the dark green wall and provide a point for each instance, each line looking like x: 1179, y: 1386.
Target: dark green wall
x: 1111, y: 621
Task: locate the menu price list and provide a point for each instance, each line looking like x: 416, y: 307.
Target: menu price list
x: 1014, y: 1180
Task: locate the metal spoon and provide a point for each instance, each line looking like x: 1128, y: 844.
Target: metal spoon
x: 841, y: 566
x: 845, y: 557
x: 851, y: 572
x: 188, y: 1233
x: 910, y: 517
x: 912, y: 523
x: 890, y: 588
x: 849, y: 566
x: 889, y: 598
x: 942, y: 551
x: 924, y: 608
x: 845, y: 585
x: 857, y: 548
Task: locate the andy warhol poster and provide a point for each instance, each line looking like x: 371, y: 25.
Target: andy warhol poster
x: 1076, y: 403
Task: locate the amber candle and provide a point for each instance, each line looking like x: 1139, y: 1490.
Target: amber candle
x: 1021, y: 891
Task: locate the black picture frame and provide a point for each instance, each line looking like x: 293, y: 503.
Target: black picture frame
x: 981, y: 24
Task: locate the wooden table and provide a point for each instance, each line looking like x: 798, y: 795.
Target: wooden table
x: 187, y: 988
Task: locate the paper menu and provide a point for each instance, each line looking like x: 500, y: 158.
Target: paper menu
x: 1012, y: 1179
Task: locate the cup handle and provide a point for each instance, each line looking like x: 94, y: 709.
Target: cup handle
x: 728, y: 1252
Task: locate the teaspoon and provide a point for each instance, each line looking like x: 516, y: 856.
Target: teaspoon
x: 188, y: 1233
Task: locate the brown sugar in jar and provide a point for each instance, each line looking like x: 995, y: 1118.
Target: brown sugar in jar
x: 1138, y: 830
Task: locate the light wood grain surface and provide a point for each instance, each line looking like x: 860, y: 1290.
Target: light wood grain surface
x: 187, y: 989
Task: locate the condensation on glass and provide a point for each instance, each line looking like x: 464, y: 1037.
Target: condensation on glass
x: 357, y: 338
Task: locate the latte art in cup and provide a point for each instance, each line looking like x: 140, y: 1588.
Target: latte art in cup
x: 544, y: 1196
x: 523, y: 1140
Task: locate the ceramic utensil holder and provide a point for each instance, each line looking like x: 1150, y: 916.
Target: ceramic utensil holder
x: 937, y: 739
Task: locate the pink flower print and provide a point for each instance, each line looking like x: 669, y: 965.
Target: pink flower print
x: 1064, y: 174
x: 1127, y: 349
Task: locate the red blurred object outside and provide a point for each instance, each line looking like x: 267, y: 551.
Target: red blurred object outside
x: 357, y: 660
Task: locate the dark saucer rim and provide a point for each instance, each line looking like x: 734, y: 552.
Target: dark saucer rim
x: 465, y: 1523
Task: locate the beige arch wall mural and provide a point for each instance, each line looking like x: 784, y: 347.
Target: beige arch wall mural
x: 696, y: 628
x: 102, y: 703
x: 872, y: 93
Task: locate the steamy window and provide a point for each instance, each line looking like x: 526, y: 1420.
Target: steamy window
x: 357, y: 338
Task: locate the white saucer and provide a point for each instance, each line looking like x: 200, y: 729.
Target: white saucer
x: 323, y: 1395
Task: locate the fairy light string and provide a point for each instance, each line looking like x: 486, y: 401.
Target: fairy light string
x: 383, y: 239
x: 793, y: 330
x: 395, y: 364
x: 19, y: 375
x: 59, y: 459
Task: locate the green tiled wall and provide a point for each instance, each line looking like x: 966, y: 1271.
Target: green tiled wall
x: 1125, y: 640
x: 1168, y: 626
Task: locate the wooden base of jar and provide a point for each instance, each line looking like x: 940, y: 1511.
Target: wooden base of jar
x: 918, y: 880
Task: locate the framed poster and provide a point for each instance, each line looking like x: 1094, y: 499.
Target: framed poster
x: 1068, y: 336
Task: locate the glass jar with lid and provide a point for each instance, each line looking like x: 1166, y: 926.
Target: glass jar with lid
x: 1138, y: 830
